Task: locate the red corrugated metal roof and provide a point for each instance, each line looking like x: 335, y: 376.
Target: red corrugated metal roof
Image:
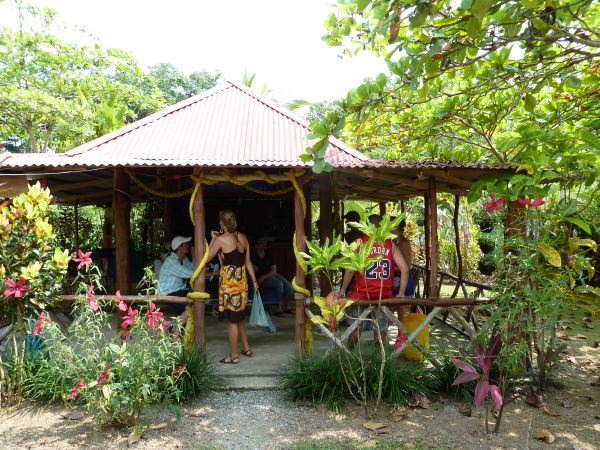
x: 229, y: 125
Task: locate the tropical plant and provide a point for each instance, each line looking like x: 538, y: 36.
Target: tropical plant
x: 484, y: 388
x: 31, y: 267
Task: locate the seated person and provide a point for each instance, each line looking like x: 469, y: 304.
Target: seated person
x: 406, y: 250
x: 212, y: 276
x: 267, y: 276
x: 352, y: 234
x: 175, y: 270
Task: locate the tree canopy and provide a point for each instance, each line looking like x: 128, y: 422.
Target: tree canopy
x: 497, y: 81
x: 177, y: 86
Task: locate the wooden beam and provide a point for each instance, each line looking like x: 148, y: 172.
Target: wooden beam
x: 300, y: 276
x: 433, y: 238
x: 76, y: 231
x: 199, y: 249
x: 122, y: 209
x: 325, y: 221
x: 68, y: 198
x: 100, y: 181
x: 107, y: 238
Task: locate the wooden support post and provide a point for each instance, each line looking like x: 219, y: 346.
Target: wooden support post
x: 76, y: 231
x: 300, y: 276
x: 402, y: 206
x: 308, y: 228
x: 325, y: 222
x: 382, y: 208
x: 122, y: 208
x: 426, y: 232
x: 199, y: 249
x: 434, y: 251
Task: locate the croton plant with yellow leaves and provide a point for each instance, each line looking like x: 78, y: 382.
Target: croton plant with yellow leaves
x: 32, y: 268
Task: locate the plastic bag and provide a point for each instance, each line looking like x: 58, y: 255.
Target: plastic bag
x: 259, y: 316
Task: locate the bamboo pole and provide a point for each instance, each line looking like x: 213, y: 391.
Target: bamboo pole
x: 457, y: 245
x: 300, y: 276
x: 199, y: 248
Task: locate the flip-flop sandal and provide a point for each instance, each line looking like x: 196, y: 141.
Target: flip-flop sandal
x: 230, y: 361
x: 248, y: 353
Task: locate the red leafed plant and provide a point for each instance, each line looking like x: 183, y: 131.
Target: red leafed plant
x: 485, y: 360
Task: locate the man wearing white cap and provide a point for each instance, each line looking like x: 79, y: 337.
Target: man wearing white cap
x: 176, y: 269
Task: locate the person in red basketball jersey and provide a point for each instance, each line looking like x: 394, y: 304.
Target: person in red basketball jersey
x: 376, y: 283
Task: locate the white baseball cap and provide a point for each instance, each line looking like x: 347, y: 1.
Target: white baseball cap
x: 178, y: 240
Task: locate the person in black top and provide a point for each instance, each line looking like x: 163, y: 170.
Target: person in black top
x: 267, y: 276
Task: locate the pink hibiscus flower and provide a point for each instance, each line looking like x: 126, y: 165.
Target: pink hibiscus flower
x: 91, y: 300
x: 495, y: 204
x: 75, y: 391
x: 83, y: 259
x: 129, y: 319
x: 38, y: 324
x: 152, y: 316
x: 16, y: 288
x: 103, y: 378
x: 120, y: 303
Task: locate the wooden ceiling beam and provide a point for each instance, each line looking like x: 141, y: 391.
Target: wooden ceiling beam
x: 80, y: 185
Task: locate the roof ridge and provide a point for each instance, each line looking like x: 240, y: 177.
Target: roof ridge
x: 146, y: 120
x: 293, y: 116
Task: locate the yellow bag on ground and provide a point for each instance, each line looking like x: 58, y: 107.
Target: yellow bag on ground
x: 411, y: 321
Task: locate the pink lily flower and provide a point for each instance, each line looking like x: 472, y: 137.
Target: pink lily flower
x: 152, y: 316
x: 91, y: 300
x: 495, y: 204
x: 38, y: 324
x: 83, y: 259
x: 75, y: 391
x: 129, y: 319
x: 16, y: 288
x: 165, y: 325
x: 103, y: 378
x: 120, y: 303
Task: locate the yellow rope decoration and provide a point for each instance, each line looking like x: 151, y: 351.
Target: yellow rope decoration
x: 308, y: 337
x: 190, y: 331
x: 192, y: 198
x: 232, y: 180
x: 299, y: 288
x: 292, y: 176
x: 153, y: 191
x: 198, y: 270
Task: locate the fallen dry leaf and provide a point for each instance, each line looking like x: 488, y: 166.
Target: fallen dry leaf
x: 588, y: 325
x: 423, y: 402
x: 571, y: 360
x: 134, y: 436
x: 353, y: 413
x: 596, y: 344
x: 465, y: 410
x: 550, y: 413
x: 546, y: 436
x: 567, y: 403
x: 534, y: 399
x: 374, y: 426
x: 397, y: 415
x: 580, y: 336
x: 194, y: 413
x: 565, y: 338
x: 384, y: 430
x: 595, y: 383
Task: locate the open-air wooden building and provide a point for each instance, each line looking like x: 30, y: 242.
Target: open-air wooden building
x: 232, y: 147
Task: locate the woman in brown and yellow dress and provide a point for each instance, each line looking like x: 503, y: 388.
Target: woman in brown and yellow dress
x: 233, y: 287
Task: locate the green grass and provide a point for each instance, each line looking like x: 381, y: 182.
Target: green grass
x: 319, y: 379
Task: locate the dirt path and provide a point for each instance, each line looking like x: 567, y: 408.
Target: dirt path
x: 264, y: 420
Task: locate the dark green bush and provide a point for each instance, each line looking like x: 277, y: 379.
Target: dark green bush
x: 319, y: 379
x: 198, y: 377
